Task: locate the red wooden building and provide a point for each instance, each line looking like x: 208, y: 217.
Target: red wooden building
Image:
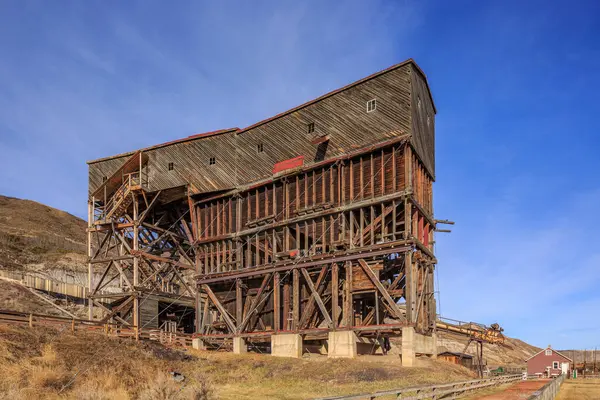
x: 548, y: 362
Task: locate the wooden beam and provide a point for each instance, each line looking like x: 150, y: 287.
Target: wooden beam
x: 335, y: 294
x: 317, y: 297
x: 310, y: 305
x: 295, y: 299
x: 276, y: 299
x: 386, y: 296
x: 255, y: 303
x: 222, y: 310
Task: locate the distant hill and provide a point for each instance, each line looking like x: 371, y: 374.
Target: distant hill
x: 35, y: 236
x: 513, y: 354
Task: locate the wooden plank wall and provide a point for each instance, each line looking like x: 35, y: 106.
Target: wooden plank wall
x: 313, y: 212
x: 342, y: 116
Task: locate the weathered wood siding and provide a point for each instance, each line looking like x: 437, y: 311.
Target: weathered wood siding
x: 149, y: 313
x: 423, y: 121
x: 190, y: 165
x: 342, y: 116
x: 350, y: 203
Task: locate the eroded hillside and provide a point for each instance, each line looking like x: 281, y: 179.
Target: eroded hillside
x: 36, y: 237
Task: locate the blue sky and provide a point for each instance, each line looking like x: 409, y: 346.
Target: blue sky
x: 515, y: 84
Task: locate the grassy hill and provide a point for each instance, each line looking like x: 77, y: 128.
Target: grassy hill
x: 35, y: 236
x: 50, y: 364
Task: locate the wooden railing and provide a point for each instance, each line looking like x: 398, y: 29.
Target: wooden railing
x: 120, y: 200
x: 8, y: 317
x: 549, y: 390
x: 440, y: 391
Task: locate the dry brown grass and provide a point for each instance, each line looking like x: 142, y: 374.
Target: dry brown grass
x: 579, y: 389
x: 38, y: 363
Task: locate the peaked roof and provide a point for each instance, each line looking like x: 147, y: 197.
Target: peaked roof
x: 239, y: 131
x: 549, y: 348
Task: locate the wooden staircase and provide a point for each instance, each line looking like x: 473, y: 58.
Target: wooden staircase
x: 119, y: 202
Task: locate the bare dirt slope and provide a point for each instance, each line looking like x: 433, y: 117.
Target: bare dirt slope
x: 36, y: 237
x: 513, y: 354
x: 15, y: 297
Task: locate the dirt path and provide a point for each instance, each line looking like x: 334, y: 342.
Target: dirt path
x: 518, y: 391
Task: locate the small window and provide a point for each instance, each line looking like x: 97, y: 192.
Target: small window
x: 104, y: 179
x: 311, y: 127
x: 170, y: 166
x: 548, y: 352
x: 555, y: 365
x: 212, y: 161
x: 259, y: 148
x: 371, y: 105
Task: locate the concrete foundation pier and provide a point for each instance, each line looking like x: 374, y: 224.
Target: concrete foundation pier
x: 286, y: 345
x: 341, y: 344
x: 414, y: 344
x: 198, y: 344
x: 239, y: 345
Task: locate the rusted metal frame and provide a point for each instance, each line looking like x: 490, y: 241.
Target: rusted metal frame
x: 97, y: 303
x: 309, y: 308
x: 255, y: 303
x: 228, y: 319
x: 386, y: 296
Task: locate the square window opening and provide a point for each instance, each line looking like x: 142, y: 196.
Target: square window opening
x: 212, y: 161
x: 259, y: 148
x: 170, y: 166
x: 104, y: 179
x: 555, y: 365
x: 310, y: 127
x: 371, y: 105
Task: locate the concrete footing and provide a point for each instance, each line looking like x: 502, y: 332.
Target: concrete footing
x: 286, y: 345
x: 341, y: 344
x: 414, y: 344
x: 198, y: 344
x: 239, y: 345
